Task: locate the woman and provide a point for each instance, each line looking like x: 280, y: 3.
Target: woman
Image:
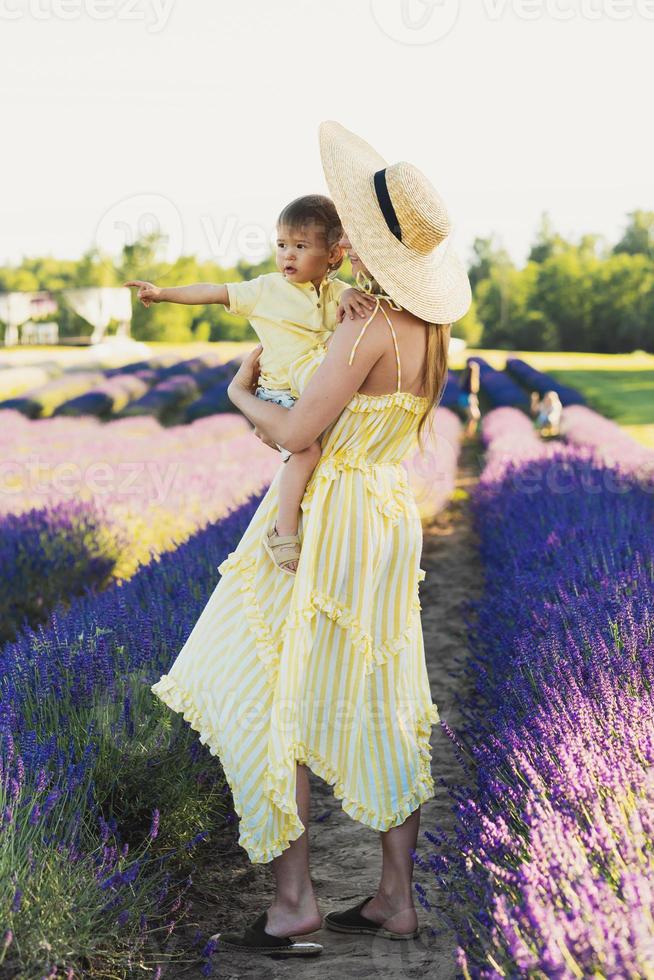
x: 326, y: 669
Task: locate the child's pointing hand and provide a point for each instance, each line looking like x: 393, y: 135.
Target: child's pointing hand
x: 148, y: 292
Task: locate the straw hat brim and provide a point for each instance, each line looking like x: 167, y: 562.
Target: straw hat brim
x: 434, y: 287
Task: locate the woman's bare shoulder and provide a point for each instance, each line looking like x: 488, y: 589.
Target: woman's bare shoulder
x: 358, y: 328
x: 404, y: 323
x: 374, y: 332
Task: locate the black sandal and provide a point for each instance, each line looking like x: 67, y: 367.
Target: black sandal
x: 256, y: 940
x: 352, y: 921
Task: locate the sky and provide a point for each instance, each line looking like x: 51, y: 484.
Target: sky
x: 200, y: 118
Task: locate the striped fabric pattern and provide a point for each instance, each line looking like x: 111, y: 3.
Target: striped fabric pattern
x: 326, y: 667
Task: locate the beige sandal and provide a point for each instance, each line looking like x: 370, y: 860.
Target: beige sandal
x: 282, y: 548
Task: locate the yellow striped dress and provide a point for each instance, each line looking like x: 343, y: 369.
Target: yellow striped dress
x: 327, y: 666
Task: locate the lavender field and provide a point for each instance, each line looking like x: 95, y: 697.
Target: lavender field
x: 112, y: 532
x: 550, y: 869
x: 112, y: 529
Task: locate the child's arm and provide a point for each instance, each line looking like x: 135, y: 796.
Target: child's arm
x: 199, y: 293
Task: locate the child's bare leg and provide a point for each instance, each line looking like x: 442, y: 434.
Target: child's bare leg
x: 292, y: 484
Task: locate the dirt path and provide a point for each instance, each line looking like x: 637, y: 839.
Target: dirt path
x: 345, y: 854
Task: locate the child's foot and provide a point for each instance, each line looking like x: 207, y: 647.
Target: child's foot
x: 284, y: 549
x: 285, y: 531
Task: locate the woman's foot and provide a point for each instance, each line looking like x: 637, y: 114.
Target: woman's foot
x: 293, y: 920
x: 394, y: 914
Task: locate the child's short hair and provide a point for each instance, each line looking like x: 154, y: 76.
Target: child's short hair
x: 316, y: 209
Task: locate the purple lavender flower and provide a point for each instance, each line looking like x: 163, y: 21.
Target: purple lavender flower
x: 154, y: 827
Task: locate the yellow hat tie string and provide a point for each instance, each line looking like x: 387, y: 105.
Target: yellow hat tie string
x: 365, y: 285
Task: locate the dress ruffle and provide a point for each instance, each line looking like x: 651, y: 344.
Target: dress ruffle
x: 269, y: 651
x: 361, y: 402
x: 386, y: 482
x: 279, y: 779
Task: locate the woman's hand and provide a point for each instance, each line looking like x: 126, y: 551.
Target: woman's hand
x: 355, y: 303
x: 260, y: 435
x: 247, y: 376
x: 148, y: 292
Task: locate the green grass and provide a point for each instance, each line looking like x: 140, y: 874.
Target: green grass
x: 626, y: 396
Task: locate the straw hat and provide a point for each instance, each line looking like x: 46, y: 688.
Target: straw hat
x: 398, y: 224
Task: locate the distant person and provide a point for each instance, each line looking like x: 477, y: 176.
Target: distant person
x: 468, y: 399
x: 549, y: 409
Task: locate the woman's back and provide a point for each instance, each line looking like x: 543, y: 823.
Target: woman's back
x: 408, y: 339
x: 379, y: 424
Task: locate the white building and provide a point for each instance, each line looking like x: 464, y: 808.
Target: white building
x: 98, y: 305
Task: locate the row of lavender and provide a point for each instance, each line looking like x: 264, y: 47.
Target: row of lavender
x: 550, y: 870
x: 510, y: 387
x: 85, y: 504
x: 103, y: 792
x: 95, y: 832
x: 162, y: 386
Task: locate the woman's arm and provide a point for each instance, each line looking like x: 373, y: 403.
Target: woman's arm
x: 329, y: 390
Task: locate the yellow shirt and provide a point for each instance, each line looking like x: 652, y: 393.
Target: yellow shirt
x: 288, y: 318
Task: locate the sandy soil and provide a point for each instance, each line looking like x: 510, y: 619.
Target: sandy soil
x: 229, y: 892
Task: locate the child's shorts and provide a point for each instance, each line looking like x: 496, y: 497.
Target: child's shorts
x: 281, y: 396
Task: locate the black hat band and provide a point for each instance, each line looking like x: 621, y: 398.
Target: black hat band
x: 386, y: 205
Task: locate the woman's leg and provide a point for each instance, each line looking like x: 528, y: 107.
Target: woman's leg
x: 294, y: 909
x: 393, y: 904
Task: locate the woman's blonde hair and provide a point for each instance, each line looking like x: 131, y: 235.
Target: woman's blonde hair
x: 434, y: 376
x: 434, y: 373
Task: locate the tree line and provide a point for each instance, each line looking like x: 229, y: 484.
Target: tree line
x: 585, y: 295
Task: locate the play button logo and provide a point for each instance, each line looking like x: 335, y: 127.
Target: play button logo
x: 415, y: 21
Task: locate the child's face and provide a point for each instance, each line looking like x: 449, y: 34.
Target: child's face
x: 303, y: 254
